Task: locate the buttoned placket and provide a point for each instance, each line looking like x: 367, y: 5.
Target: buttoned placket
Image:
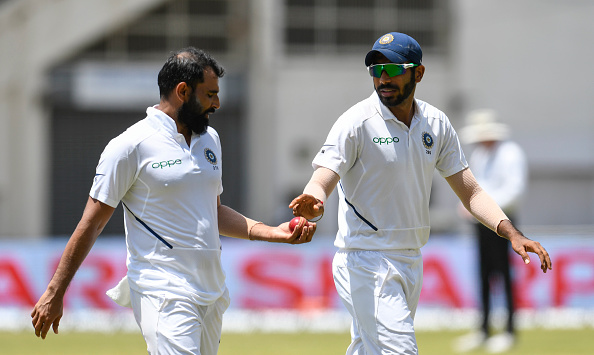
x: 181, y: 140
x: 413, y: 123
x: 170, y: 129
x: 193, y: 142
x: 405, y: 129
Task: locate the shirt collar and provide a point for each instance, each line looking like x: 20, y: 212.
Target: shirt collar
x: 160, y: 120
x: 385, y: 111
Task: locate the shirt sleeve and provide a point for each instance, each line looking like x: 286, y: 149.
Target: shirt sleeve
x: 340, y: 150
x: 115, y: 173
x: 451, y: 157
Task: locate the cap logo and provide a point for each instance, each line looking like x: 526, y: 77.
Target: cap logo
x: 386, y: 39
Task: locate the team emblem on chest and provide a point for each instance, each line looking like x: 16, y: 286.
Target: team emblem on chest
x: 428, y: 142
x: 210, y: 156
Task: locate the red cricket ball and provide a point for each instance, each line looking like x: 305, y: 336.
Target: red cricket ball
x: 294, y: 222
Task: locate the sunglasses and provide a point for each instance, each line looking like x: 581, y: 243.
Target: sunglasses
x: 391, y: 69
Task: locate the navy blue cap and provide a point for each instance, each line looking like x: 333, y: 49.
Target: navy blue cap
x: 397, y: 47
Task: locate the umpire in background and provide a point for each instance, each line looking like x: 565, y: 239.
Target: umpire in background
x: 499, y: 166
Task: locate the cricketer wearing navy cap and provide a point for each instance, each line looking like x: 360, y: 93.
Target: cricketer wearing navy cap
x: 397, y: 47
x: 383, y: 153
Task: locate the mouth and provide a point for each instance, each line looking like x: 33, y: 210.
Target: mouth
x: 387, y: 88
x: 386, y: 92
x: 208, y: 112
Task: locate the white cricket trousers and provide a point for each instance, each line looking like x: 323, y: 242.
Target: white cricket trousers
x: 381, y: 291
x: 177, y: 326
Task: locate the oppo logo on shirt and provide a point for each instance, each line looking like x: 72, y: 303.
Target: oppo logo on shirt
x: 166, y: 164
x: 387, y: 140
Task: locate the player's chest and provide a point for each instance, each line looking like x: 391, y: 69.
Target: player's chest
x: 170, y: 164
x: 394, y: 145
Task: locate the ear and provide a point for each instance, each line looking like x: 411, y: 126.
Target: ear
x: 182, y: 92
x: 419, y: 72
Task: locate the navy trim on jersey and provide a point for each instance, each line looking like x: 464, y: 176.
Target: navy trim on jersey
x: 357, y: 213
x: 149, y: 228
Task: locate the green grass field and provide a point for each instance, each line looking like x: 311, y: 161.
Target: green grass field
x: 541, y: 342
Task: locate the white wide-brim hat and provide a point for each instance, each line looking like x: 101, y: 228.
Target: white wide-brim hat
x: 482, y: 126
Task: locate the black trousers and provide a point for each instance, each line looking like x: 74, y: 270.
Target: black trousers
x: 494, y: 261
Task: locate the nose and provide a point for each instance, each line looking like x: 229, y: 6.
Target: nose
x: 385, y: 77
x: 216, y: 104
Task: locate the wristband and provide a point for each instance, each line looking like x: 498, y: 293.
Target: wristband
x: 250, y: 231
x: 315, y: 220
x: 322, y: 215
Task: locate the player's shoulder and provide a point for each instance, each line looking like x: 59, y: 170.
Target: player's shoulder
x: 138, y: 132
x: 433, y: 116
x: 360, y: 112
x: 129, y: 140
x: 211, y: 139
x: 212, y: 132
x: 431, y: 112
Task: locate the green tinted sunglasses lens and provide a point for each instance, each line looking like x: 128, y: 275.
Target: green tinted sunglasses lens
x: 391, y: 70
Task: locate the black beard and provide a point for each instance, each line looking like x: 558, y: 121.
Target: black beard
x: 391, y: 102
x: 191, y: 115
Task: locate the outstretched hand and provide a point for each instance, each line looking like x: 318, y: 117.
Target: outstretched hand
x: 522, y: 245
x: 47, y: 313
x: 303, y: 232
x: 307, y: 206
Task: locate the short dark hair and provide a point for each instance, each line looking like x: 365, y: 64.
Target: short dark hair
x: 186, y: 65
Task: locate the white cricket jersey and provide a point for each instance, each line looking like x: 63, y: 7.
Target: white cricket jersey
x: 386, y: 172
x: 169, y: 192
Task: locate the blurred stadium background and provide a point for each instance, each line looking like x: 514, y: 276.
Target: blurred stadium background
x: 75, y: 73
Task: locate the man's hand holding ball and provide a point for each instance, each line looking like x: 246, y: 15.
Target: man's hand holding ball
x: 295, y: 222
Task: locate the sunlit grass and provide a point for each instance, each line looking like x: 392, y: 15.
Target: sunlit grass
x: 541, y: 342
